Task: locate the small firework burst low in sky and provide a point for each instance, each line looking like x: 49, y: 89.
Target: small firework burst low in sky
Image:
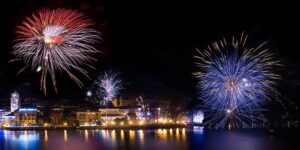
x: 235, y: 80
x: 58, y: 40
x: 107, y: 86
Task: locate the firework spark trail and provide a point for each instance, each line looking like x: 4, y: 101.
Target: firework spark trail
x: 58, y: 40
x: 235, y: 81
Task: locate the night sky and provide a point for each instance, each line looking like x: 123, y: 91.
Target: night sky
x: 152, y: 44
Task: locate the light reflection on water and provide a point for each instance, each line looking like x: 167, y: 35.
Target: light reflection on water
x: 21, y: 140
x: 46, y: 136
x: 176, y: 138
x: 86, y: 136
x: 65, y: 135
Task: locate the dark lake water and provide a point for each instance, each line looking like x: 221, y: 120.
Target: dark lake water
x: 161, y: 139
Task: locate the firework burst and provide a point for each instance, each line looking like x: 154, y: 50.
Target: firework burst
x: 58, y: 40
x: 235, y: 81
x: 107, y: 86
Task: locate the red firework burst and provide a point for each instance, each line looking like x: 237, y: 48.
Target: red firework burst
x: 71, y: 20
x: 56, y: 40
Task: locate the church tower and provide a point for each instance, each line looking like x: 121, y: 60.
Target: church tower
x: 15, y: 102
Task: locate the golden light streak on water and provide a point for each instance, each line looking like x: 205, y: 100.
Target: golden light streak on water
x: 131, y: 135
x: 86, y: 136
x: 141, y: 136
x: 183, y: 134
x: 65, y: 136
x: 46, y: 136
x: 122, y: 136
x: 162, y: 133
x: 171, y: 132
x: 113, y: 137
x: 177, y: 134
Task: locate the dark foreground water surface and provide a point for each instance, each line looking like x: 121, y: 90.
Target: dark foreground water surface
x: 161, y: 139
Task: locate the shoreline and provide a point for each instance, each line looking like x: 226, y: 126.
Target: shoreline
x: 139, y: 127
x: 129, y: 127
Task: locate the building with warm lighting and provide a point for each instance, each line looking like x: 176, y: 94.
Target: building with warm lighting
x: 9, y: 119
x: 26, y: 116
x: 23, y: 116
x: 57, y: 116
x: 124, y: 102
x: 91, y: 116
x: 19, y: 115
x: 3, y: 113
x: 112, y: 113
x: 88, y: 117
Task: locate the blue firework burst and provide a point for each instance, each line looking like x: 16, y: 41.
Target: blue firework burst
x: 235, y: 81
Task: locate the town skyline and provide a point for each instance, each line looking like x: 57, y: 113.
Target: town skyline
x: 100, y: 74
x: 146, y: 60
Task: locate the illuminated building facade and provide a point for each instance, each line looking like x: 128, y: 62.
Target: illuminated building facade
x: 57, y: 116
x: 88, y: 117
x: 26, y: 116
x: 3, y: 113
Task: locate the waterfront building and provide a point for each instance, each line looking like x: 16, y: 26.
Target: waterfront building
x: 88, y: 116
x: 26, y: 115
x: 57, y: 116
x: 92, y: 116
